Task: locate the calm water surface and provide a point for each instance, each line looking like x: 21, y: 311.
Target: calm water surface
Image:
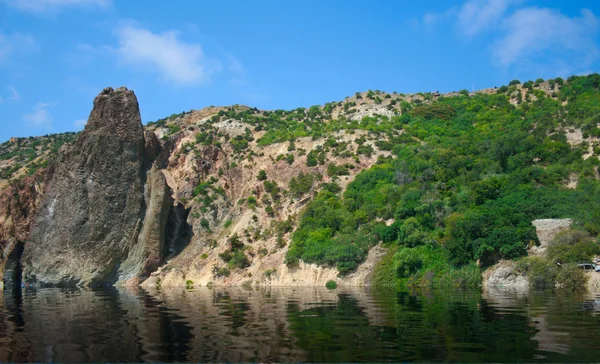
x: 291, y: 325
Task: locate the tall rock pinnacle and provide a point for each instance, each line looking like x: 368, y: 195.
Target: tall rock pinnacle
x: 94, y: 205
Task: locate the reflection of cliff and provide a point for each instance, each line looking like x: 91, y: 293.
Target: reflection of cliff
x: 293, y: 324
x: 238, y: 325
x: 550, y: 338
x: 14, y: 346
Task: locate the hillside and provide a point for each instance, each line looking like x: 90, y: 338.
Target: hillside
x: 392, y: 189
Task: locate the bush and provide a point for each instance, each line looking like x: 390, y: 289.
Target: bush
x: 408, y: 262
x: 571, y: 278
x: 205, y: 224
x: 269, y: 272
x: 331, y: 284
x: 434, y: 111
x: 262, y: 175
x: 238, y: 260
x: 301, y: 184
x: 514, y: 82
x: 572, y: 246
x: 220, y: 272
x: 542, y: 273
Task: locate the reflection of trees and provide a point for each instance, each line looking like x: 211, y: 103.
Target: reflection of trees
x: 285, y: 325
x: 437, y: 327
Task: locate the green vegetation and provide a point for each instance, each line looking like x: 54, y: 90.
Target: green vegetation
x: 235, y: 256
x: 269, y: 272
x: 559, y: 267
x: 301, y: 184
x: 262, y: 175
x: 33, y: 153
x: 331, y: 284
x: 466, y: 179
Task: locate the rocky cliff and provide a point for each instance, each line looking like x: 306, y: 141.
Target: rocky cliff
x: 103, y: 206
x: 18, y: 205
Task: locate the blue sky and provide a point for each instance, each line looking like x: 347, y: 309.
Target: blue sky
x: 56, y: 55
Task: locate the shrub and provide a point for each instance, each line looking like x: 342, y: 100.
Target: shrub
x: 434, y: 111
x: 220, y: 272
x: 205, y: 224
x: 331, y: 284
x: 335, y: 170
x: 571, y: 278
x: 262, y: 175
x: 227, y: 223
x: 514, y: 82
x: 269, y: 272
x: 408, y: 262
x: 572, y: 246
x: 301, y: 184
x: 238, y: 260
x: 542, y: 273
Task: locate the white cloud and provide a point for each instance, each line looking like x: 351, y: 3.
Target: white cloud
x: 477, y: 15
x: 528, y: 37
x: 15, y: 43
x: 54, y: 6
x: 40, y: 116
x: 14, y: 95
x: 531, y: 31
x: 175, y: 60
x: 429, y: 20
x: 235, y: 65
x: 79, y: 124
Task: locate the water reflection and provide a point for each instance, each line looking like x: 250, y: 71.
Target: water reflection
x: 284, y: 325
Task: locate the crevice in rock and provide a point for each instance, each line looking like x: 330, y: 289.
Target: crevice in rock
x: 13, y: 269
x: 178, y: 232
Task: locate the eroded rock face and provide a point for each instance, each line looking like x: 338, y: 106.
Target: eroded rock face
x: 505, y: 276
x: 94, y: 207
x: 146, y: 256
x: 546, y: 230
x: 18, y: 205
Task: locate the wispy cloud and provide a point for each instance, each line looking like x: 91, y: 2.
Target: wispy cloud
x: 14, y: 95
x: 173, y: 59
x: 532, y: 37
x: 40, y: 116
x: 477, y: 15
x: 79, y: 124
x: 54, y: 6
x: 15, y: 43
x: 430, y: 20
x: 531, y: 31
